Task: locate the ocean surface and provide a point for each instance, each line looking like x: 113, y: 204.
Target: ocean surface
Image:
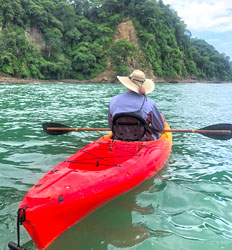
x: 189, y: 208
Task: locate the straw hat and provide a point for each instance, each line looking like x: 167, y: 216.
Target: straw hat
x: 136, y: 80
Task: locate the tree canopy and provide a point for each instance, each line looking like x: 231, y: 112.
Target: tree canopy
x: 79, y: 37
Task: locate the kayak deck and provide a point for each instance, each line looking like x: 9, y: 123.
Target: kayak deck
x: 96, y: 174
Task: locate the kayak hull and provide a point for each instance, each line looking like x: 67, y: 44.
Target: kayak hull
x: 98, y: 173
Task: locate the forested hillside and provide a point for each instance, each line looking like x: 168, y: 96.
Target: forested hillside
x: 57, y: 39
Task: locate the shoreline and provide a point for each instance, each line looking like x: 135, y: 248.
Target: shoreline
x: 13, y: 80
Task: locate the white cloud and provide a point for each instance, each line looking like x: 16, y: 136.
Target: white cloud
x: 204, y: 15
x: 213, y: 40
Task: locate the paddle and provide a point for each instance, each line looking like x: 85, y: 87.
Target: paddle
x: 222, y: 131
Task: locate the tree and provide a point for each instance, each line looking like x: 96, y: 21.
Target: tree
x: 65, y: 13
x: 83, y: 60
x: 53, y: 42
x: 121, y: 51
x: 12, y: 13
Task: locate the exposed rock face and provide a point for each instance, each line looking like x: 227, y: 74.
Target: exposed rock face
x: 126, y: 31
x: 35, y: 37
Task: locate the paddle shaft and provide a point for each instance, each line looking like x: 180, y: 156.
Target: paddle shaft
x: 80, y: 129
x: 197, y: 131
x: 167, y: 130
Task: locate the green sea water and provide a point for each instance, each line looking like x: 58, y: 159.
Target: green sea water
x: 189, y: 208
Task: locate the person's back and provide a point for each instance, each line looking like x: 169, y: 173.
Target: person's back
x: 134, y: 102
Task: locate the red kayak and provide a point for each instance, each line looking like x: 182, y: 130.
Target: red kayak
x: 96, y: 174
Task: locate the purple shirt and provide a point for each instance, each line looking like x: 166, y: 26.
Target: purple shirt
x: 131, y: 102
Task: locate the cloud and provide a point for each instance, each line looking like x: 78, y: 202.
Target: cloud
x: 210, y: 20
x: 207, y: 15
x: 213, y: 40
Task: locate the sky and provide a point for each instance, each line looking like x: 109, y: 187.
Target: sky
x: 210, y: 20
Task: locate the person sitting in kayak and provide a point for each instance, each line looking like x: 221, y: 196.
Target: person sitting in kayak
x: 135, y: 103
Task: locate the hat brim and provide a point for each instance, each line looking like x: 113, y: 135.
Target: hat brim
x: 148, y: 85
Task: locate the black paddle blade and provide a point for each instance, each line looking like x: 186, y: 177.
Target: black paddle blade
x: 14, y: 246
x: 47, y: 125
x: 219, y: 136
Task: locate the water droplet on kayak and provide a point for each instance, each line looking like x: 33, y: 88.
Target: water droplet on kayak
x: 128, y: 175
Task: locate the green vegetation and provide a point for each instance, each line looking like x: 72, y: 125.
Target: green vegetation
x: 79, y: 35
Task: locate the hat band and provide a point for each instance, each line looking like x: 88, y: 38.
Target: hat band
x: 140, y: 82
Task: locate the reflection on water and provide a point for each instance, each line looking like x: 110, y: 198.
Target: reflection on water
x: 188, y: 208
x: 112, y: 224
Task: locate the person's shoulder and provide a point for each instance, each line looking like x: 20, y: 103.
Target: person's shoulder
x: 151, y: 103
x: 119, y: 95
x: 150, y: 100
x: 116, y: 97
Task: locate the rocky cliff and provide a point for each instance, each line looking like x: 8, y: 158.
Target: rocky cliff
x: 125, y: 31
